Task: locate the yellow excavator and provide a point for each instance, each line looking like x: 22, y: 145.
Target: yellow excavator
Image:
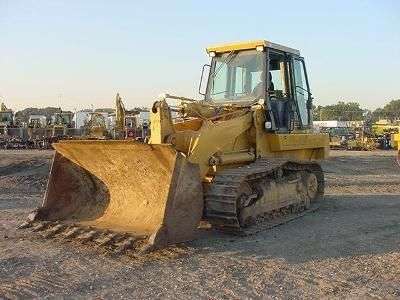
x: 125, y: 120
x: 243, y: 154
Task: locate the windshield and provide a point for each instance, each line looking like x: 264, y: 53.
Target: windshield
x: 236, y: 76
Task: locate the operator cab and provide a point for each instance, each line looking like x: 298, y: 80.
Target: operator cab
x: 261, y: 71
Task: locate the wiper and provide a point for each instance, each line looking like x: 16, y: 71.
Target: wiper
x: 218, y: 93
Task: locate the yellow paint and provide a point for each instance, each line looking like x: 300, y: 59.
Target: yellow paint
x: 286, y: 142
x: 236, y: 131
x: 236, y: 46
x: 379, y: 129
x: 216, y: 137
x: 297, y: 146
x: 396, y: 140
x: 160, y: 123
x: 247, y: 45
x: 191, y: 124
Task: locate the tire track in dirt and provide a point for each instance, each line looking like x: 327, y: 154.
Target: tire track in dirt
x: 43, y: 280
x: 63, y: 270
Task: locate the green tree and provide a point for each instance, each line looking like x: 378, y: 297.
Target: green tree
x: 317, y: 112
x: 378, y: 114
x: 342, y: 111
x: 392, y: 110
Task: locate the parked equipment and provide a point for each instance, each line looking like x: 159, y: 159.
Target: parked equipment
x: 6, y: 118
x: 12, y: 135
x: 126, y: 125
x: 95, y: 127
x: 243, y: 154
x: 362, y: 139
x: 338, y: 132
x: 385, y: 133
x: 62, y: 125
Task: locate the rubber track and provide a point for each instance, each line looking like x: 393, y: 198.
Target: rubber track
x: 221, y: 195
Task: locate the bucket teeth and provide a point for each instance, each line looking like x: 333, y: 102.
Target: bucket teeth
x: 40, y: 226
x: 107, y: 240
x: 54, y: 230
x: 88, y: 236
x: 25, y: 225
x: 118, y: 242
x: 72, y: 232
x: 125, y: 245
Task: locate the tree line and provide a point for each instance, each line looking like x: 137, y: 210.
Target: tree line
x: 352, y: 111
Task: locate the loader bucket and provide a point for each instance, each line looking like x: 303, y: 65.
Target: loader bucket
x: 149, y: 191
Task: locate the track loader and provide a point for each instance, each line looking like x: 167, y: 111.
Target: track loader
x: 244, y: 153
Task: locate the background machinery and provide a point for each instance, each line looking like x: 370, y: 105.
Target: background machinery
x: 362, y: 138
x: 12, y: 135
x: 126, y: 124
x: 338, y: 132
x: 39, y: 132
x: 242, y: 155
x: 385, y: 133
x: 95, y: 127
x: 6, y: 118
x: 62, y: 125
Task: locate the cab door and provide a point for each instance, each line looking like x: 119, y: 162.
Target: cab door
x: 301, y: 91
x: 279, y: 93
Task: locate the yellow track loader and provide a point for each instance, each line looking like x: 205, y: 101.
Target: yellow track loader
x: 243, y: 154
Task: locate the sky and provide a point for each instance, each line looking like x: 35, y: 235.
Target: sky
x: 79, y: 54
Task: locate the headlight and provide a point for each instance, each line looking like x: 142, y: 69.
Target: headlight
x: 260, y: 48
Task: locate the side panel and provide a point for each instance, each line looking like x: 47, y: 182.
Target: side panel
x: 298, y: 146
x: 285, y: 142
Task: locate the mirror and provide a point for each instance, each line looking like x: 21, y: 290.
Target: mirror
x: 205, y: 72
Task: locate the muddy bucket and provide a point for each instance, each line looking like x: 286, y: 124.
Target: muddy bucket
x: 144, y: 190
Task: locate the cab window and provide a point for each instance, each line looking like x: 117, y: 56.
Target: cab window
x: 301, y: 91
x: 278, y: 75
x: 236, y: 76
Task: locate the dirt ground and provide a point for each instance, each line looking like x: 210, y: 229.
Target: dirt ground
x: 350, y: 247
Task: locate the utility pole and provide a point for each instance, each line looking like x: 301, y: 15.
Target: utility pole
x: 59, y: 99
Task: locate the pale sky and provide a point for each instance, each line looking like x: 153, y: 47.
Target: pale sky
x: 75, y: 54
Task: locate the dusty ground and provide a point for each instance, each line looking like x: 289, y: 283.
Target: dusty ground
x: 349, y: 248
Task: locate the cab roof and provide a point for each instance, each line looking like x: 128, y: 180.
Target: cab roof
x: 236, y: 46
